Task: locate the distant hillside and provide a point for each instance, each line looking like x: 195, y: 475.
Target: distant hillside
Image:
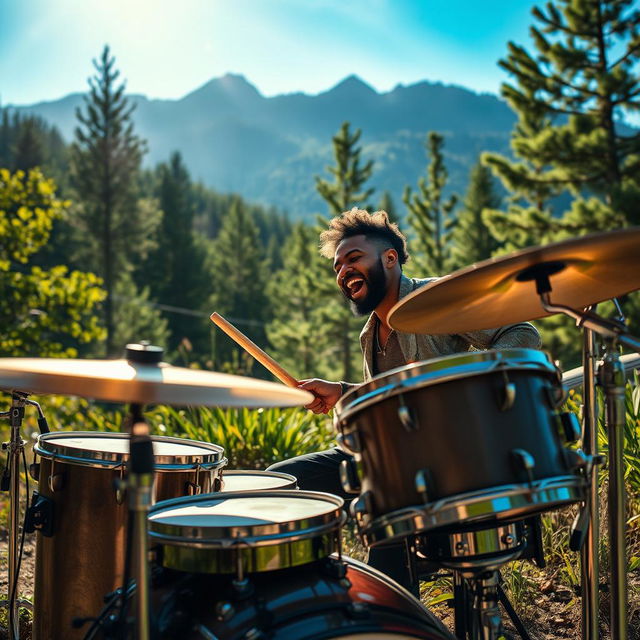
x: 269, y: 149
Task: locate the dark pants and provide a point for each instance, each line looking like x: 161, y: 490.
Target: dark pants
x: 320, y: 471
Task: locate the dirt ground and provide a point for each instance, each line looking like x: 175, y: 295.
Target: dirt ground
x: 555, y: 613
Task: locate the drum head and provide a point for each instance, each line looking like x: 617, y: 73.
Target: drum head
x: 256, y: 481
x: 112, y: 449
x: 264, y: 530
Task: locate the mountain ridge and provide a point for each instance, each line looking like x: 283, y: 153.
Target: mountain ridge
x: 269, y: 148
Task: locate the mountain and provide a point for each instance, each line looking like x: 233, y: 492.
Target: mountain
x: 270, y: 148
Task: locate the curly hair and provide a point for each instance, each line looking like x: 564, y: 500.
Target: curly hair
x: 360, y: 222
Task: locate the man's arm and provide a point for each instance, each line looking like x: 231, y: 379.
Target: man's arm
x: 522, y: 335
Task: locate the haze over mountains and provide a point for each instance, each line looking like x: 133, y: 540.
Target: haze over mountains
x: 270, y: 148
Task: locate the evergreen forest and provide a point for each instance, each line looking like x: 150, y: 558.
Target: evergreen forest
x: 98, y: 251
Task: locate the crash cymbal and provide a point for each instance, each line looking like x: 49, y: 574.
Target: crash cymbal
x: 582, y: 271
x: 131, y: 382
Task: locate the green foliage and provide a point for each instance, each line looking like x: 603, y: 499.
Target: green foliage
x: 252, y: 439
x: 117, y: 226
x: 296, y: 331
x: 571, y: 99
x: 27, y: 142
x: 346, y: 191
x: 430, y: 218
x: 42, y: 312
x: 339, y: 327
x: 386, y: 204
x: 238, y: 280
x: 472, y: 240
x: 175, y: 269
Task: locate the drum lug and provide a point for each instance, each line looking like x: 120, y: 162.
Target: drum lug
x: 34, y: 470
x: 350, y: 442
x: 508, y: 393
x: 56, y: 482
x: 423, y: 482
x: 39, y: 516
x: 362, y: 508
x: 224, y: 611
x: 349, y: 476
x: 407, y: 416
x: 192, y: 489
x: 525, y: 462
x: 577, y: 459
x: 570, y: 426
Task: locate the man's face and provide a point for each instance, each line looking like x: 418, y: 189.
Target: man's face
x: 360, y: 273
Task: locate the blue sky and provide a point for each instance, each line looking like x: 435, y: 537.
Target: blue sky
x: 165, y: 49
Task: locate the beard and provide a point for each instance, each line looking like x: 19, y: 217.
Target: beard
x: 376, y: 284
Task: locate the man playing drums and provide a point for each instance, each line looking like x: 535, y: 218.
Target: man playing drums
x: 368, y: 252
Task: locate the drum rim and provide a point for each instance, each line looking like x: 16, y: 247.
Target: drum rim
x: 93, y: 458
x: 291, y: 481
x: 516, y: 501
x: 440, y: 370
x: 246, y: 536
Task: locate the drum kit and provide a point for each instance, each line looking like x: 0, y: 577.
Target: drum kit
x: 144, y: 536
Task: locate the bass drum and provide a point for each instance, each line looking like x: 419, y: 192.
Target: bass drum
x: 262, y: 564
x: 330, y: 598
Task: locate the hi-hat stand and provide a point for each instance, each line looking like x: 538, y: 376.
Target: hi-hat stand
x: 11, y: 483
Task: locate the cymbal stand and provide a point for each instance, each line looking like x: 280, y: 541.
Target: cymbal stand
x: 140, y: 490
x: 611, y: 378
x: 11, y: 482
x: 589, y: 560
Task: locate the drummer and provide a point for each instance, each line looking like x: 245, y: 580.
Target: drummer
x: 368, y: 252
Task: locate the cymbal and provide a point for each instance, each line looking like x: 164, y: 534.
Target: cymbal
x: 495, y: 292
x: 130, y: 382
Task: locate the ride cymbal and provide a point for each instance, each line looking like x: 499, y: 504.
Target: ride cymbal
x: 131, y: 382
x: 496, y: 292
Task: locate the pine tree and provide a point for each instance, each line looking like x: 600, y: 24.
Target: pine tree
x: 116, y: 224
x: 386, y: 204
x: 346, y: 190
x: 28, y: 151
x: 571, y: 99
x: 175, y: 270
x: 472, y: 240
x: 430, y: 217
x: 296, y: 330
x: 237, y: 277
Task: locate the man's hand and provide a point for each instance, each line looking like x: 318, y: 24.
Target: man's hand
x: 326, y: 394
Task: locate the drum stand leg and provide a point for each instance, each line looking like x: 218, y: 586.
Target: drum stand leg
x: 589, y: 552
x: 15, y: 449
x: 611, y: 377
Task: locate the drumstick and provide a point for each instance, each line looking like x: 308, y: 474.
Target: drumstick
x: 253, y: 349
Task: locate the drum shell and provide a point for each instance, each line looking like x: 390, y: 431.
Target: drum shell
x: 463, y: 437
x: 84, y: 558
x: 304, y: 603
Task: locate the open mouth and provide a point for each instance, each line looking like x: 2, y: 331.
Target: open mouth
x: 353, y: 286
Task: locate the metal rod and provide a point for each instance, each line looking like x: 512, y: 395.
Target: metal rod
x: 589, y: 552
x: 612, y: 380
x: 140, y: 486
x: 15, y: 447
x: 609, y: 329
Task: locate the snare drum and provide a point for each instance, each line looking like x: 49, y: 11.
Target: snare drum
x: 258, y: 565
x: 242, y: 480
x: 459, y: 440
x: 80, y: 552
